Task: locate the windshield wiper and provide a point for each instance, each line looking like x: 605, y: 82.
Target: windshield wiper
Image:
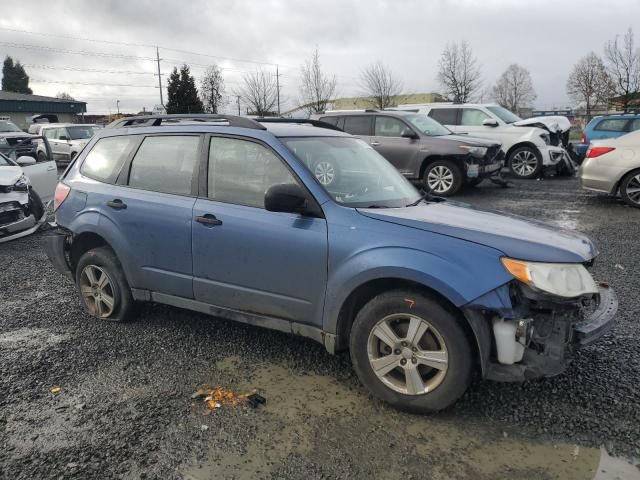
x: 426, y: 195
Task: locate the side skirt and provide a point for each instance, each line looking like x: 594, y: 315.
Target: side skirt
x: 273, y: 323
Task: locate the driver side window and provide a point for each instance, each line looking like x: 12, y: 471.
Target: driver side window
x: 241, y: 171
x: 472, y: 117
x: 389, y: 127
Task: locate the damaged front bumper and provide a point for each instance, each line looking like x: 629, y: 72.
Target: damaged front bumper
x: 17, y: 218
x: 549, y: 333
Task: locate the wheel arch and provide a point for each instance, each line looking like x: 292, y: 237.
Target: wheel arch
x: 618, y: 182
x: 433, y: 158
x: 84, y: 242
x: 368, y: 290
x: 514, y: 147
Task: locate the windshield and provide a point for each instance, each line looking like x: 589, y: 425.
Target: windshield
x: 7, y: 126
x: 503, y: 114
x: 352, y: 172
x: 427, y: 125
x: 79, y: 133
x: 5, y: 162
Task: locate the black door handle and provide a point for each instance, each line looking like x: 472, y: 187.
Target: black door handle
x: 117, y: 204
x: 209, y: 220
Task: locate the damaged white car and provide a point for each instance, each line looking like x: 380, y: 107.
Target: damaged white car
x: 25, y: 187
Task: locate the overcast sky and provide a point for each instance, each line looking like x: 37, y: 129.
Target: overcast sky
x: 547, y: 37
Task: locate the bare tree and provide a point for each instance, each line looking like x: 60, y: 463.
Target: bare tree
x: 623, y: 63
x: 212, y: 89
x: 459, y: 72
x: 64, y: 96
x: 589, y: 82
x: 316, y: 89
x: 259, y: 92
x: 380, y: 85
x: 514, y: 88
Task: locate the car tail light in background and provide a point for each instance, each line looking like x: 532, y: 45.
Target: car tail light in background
x: 62, y: 191
x: 583, y: 140
x: 594, y: 152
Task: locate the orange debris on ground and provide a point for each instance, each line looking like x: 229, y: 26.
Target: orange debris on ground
x: 220, y: 396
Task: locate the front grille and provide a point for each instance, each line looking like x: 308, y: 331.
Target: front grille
x: 10, y: 213
x: 22, y: 141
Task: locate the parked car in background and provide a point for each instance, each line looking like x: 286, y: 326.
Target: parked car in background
x: 66, y: 140
x: 613, y: 166
x: 25, y: 186
x: 420, y: 148
x: 14, y: 142
x: 607, y: 126
x: 226, y: 217
x: 527, y: 144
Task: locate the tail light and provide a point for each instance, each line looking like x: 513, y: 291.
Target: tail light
x: 594, y: 152
x: 62, y: 192
x: 583, y: 140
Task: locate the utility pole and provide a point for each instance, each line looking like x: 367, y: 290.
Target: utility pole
x: 238, y: 99
x: 159, y: 76
x: 118, y: 106
x: 278, y: 86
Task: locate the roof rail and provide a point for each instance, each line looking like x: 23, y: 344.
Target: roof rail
x: 185, y: 118
x: 315, y: 123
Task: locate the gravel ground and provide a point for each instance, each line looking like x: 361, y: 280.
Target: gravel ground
x: 124, y: 407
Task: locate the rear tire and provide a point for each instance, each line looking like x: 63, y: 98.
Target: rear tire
x: 102, y: 286
x: 424, y: 375
x: 630, y: 189
x: 525, y: 162
x: 442, y: 178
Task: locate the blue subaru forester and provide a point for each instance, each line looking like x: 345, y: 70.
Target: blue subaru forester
x: 235, y: 218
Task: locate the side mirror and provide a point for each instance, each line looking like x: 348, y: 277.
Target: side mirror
x: 490, y: 122
x: 408, y: 133
x: 64, y: 138
x: 25, y: 161
x: 285, y: 197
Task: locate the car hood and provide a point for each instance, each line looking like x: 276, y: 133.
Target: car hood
x: 552, y: 123
x: 515, y: 236
x: 15, y: 134
x: 10, y: 175
x: 471, y: 141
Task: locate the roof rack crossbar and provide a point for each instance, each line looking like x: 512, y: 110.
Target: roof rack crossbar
x: 159, y: 120
x: 315, y: 123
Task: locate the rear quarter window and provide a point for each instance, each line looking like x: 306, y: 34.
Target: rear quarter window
x: 331, y: 120
x: 611, y: 125
x: 104, y: 161
x: 445, y: 116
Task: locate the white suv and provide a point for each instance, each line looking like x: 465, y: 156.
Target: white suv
x: 527, y: 148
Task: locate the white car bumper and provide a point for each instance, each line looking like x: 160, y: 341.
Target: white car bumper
x: 553, y: 155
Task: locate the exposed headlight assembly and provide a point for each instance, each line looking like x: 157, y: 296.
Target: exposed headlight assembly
x: 477, y: 152
x: 562, y: 279
x: 546, y: 137
x: 3, y: 141
x: 22, y: 185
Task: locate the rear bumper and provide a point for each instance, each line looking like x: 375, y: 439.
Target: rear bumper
x: 55, y: 246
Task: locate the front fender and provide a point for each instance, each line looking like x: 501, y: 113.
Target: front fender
x: 461, y: 274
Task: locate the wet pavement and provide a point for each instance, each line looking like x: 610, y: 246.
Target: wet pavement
x: 124, y: 409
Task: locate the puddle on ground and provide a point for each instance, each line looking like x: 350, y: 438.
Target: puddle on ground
x: 325, y: 422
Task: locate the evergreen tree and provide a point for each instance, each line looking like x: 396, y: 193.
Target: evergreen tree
x: 14, y: 78
x: 182, y: 92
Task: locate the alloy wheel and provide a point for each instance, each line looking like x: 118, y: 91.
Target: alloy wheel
x: 325, y: 173
x: 633, y: 189
x: 97, y: 291
x: 440, y: 179
x: 524, y: 163
x: 408, y: 354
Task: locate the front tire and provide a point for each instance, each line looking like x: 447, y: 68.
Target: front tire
x: 411, y: 352
x: 630, y: 189
x: 443, y: 178
x: 102, y: 286
x: 525, y: 162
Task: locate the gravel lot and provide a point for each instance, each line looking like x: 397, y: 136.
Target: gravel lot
x: 124, y: 408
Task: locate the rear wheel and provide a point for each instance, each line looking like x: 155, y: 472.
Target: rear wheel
x: 409, y: 351
x: 103, y: 287
x: 525, y: 162
x: 442, y: 178
x: 630, y: 189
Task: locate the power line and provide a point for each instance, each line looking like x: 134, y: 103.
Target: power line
x: 74, y: 52
x: 92, y: 84
x: 90, y: 70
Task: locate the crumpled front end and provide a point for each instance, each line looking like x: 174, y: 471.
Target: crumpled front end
x: 523, y: 333
x: 21, y: 213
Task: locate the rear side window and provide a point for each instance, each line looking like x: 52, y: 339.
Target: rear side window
x: 358, y: 125
x: 331, y: 120
x: 165, y: 164
x: 635, y: 125
x: 445, y: 116
x: 241, y: 171
x: 104, y: 161
x: 612, y: 125
x: 51, y: 133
